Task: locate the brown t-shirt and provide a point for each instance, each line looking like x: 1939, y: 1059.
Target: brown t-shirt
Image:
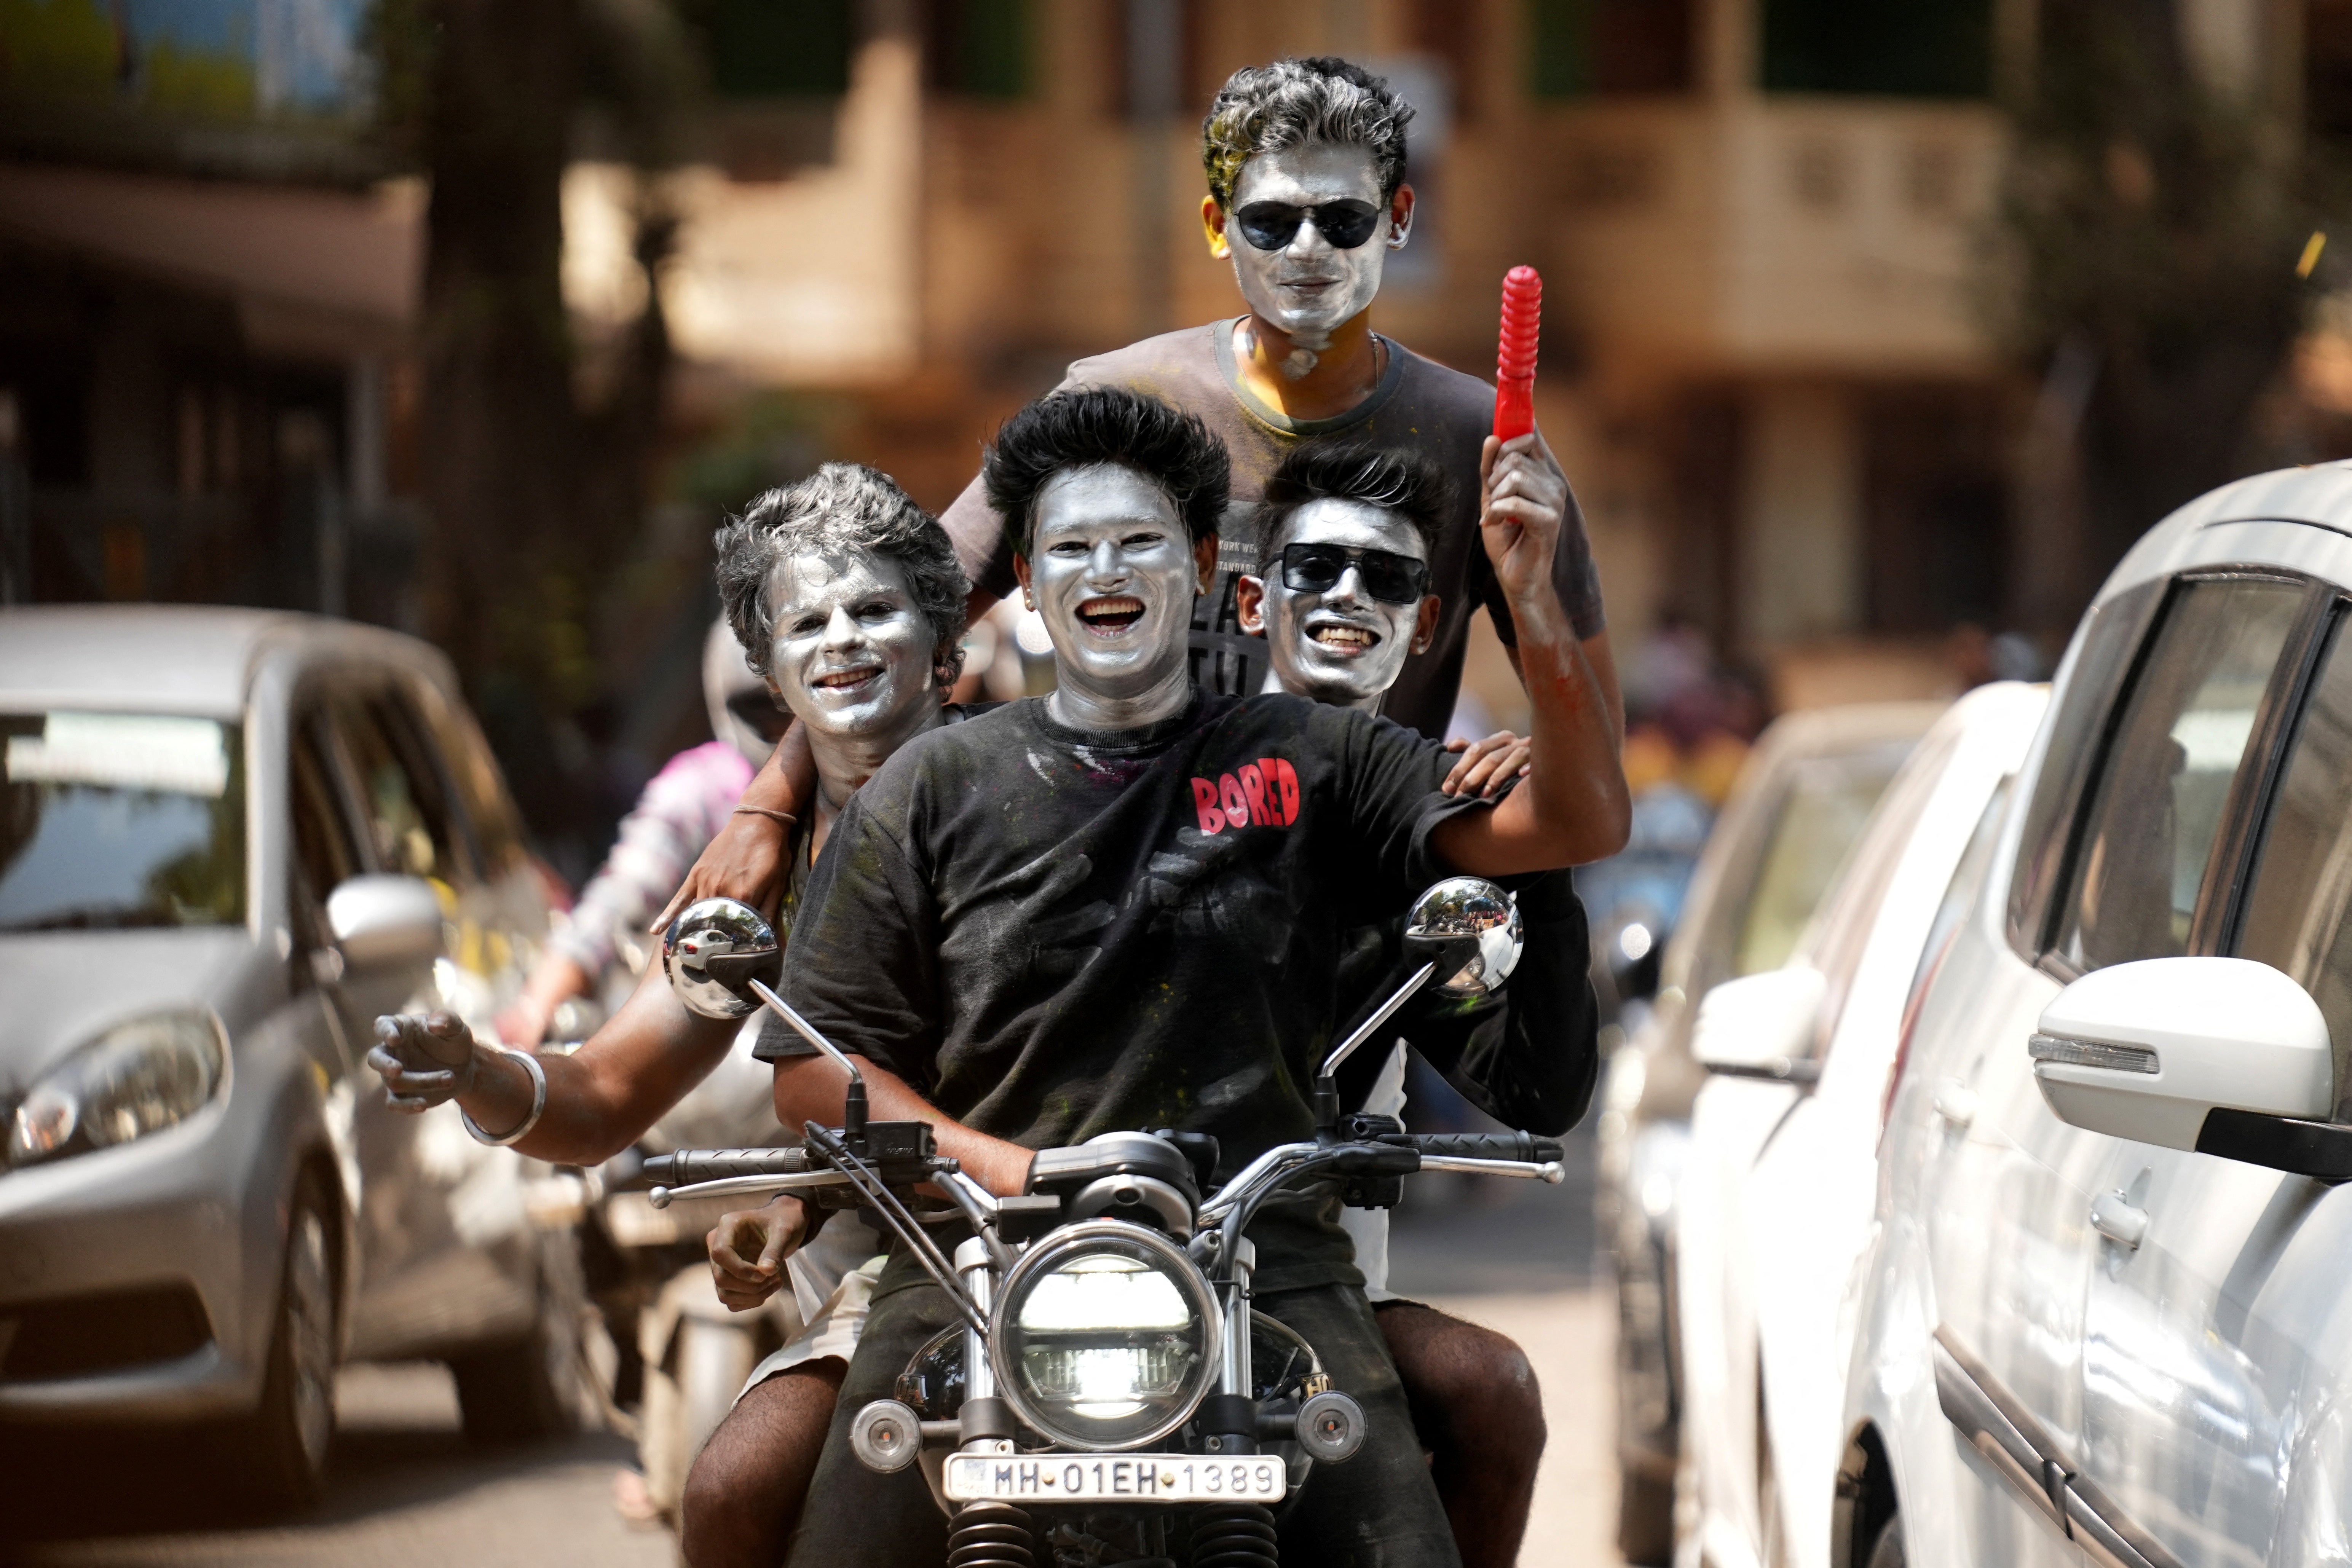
x: 1419, y: 404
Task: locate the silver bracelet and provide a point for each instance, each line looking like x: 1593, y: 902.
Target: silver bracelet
x: 538, y: 1102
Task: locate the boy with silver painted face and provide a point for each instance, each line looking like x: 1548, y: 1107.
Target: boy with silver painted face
x: 1343, y: 539
x: 847, y: 601
x: 1305, y: 160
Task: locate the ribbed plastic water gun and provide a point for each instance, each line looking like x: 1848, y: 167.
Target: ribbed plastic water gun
x: 1515, y: 361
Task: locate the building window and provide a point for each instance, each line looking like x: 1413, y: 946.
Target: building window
x: 1917, y: 48
x: 978, y: 47
x: 2327, y: 68
x: 781, y: 48
x: 1579, y: 48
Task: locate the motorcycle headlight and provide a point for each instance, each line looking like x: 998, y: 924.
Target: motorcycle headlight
x: 140, y: 1077
x: 1105, y: 1337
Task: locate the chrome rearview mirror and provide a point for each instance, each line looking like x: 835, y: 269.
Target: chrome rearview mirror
x: 1469, y: 928
x: 714, y: 951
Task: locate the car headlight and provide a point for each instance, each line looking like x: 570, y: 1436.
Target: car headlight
x: 140, y: 1077
x: 1105, y: 1336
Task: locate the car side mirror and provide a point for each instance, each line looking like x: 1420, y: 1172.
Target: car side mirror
x: 1761, y: 1026
x: 2218, y: 1056
x: 382, y: 921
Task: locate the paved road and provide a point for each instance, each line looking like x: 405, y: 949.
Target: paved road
x: 407, y: 1492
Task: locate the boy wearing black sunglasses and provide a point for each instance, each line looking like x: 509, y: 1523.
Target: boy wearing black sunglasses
x: 1344, y: 537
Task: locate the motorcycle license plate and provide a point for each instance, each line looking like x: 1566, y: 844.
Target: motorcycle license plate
x: 1127, y: 1478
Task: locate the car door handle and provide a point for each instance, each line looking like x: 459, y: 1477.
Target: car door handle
x: 2123, y: 1223
x: 1955, y: 1102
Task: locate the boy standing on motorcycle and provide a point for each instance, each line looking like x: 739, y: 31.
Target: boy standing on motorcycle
x: 1121, y: 907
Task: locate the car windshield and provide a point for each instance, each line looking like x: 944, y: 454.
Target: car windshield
x: 1828, y: 801
x: 119, y: 819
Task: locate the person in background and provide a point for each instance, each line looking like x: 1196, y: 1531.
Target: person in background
x: 679, y: 812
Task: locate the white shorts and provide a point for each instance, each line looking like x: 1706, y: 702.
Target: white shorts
x: 833, y: 1282
x: 1370, y: 1227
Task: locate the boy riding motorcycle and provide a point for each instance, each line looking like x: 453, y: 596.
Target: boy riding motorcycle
x: 846, y: 599
x: 1040, y: 920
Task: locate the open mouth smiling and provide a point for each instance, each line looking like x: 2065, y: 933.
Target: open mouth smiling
x: 1342, y: 638
x: 847, y: 680
x: 1110, y: 615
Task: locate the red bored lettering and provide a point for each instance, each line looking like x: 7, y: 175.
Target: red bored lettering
x: 1229, y: 792
x: 1282, y: 781
x: 1254, y: 790
x: 1204, y: 800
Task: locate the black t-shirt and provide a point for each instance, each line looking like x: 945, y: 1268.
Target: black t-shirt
x: 1050, y: 933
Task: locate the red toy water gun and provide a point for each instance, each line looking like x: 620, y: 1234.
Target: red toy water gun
x: 1515, y: 362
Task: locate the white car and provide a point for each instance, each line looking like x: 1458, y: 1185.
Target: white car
x: 1800, y: 800
x: 1776, y: 1196
x: 2106, y: 1317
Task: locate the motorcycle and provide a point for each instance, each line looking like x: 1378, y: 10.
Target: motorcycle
x: 1109, y: 1393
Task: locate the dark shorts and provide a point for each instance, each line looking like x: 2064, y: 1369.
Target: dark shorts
x: 1379, y: 1510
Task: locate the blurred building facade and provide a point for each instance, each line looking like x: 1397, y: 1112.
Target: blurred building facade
x: 1765, y: 226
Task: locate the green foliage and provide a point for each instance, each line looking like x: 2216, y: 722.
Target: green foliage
x: 57, y: 48
x: 2157, y: 224
x: 200, y: 86
x: 774, y: 439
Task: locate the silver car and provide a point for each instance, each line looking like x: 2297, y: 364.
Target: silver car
x: 231, y: 838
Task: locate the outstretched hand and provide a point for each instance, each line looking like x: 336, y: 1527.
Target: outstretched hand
x: 1487, y: 765
x: 425, y: 1059
x: 748, y: 1248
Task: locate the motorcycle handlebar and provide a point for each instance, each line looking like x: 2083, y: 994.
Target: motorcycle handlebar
x: 1525, y: 1146
x: 690, y: 1167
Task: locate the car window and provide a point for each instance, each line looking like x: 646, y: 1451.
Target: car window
x: 498, y: 833
x: 2111, y: 634
x: 2140, y: 865
x: 2301, y: 886
x: 1838, y: 942
x: 1822, y: 814
x: 407, y: 814
x: 325, y: 854
x: 114, y: 820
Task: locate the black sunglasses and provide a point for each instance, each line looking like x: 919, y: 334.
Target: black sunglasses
x: 1270, y: 226
x: 1391, y: 578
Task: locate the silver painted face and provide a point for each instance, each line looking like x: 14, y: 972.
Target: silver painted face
x: 851, y: 655
x: 1341, y: 646
x: 1308, y: 287
x: 1113, y: 573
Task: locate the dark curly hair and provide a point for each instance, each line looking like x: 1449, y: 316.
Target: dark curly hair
x: 1094, y: 424
x: 842, y: 508
x: 1393, y: 479
x: 1262, y: 108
